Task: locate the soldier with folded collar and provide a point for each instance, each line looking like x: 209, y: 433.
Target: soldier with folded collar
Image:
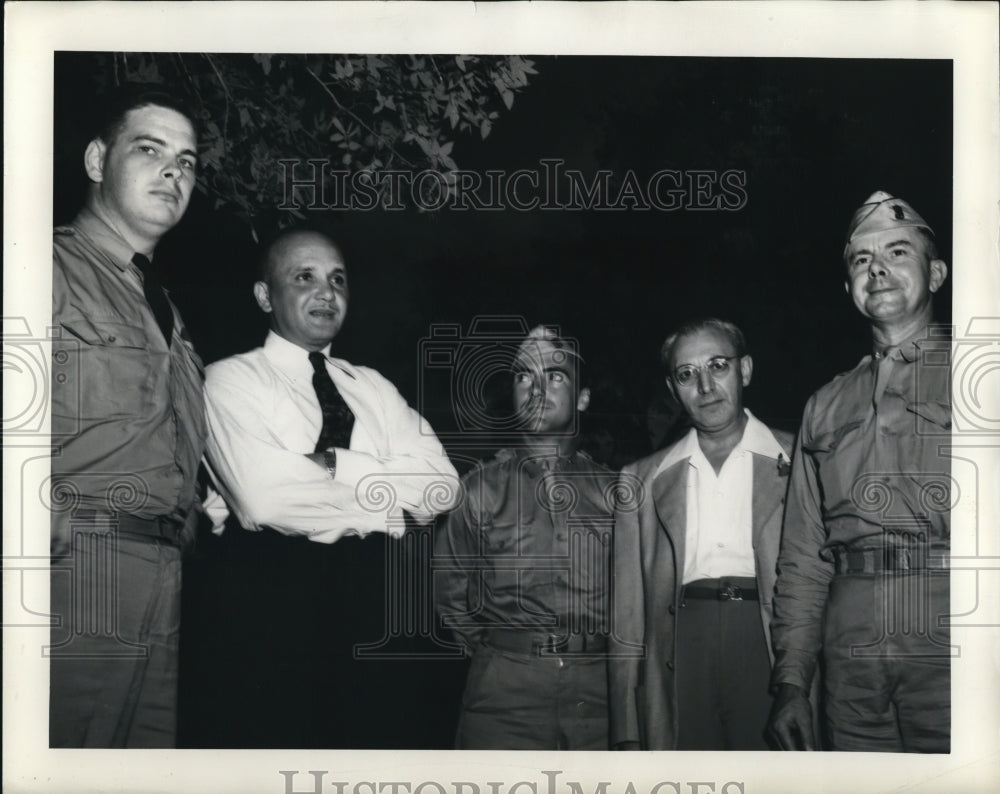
x: 863, y: 566
x: 523, y: 566
x: 129, y: 428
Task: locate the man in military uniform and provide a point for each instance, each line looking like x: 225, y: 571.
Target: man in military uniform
x: 128, y: 414
x: 523, y: 571
x: 863, y: 568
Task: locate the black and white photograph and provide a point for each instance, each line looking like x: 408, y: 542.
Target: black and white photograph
x: 450, y: 383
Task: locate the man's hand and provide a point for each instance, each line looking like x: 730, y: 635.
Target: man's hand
x: 790, y: 725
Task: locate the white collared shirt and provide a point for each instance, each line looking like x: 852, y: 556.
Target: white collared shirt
x: 264, y: 419
x: 718, y: 540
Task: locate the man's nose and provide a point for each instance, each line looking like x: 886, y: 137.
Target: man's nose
x: 877, y: 267
x: 706, y: 382
x: 173, y: 170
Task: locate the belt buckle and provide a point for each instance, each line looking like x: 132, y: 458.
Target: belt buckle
x: 730, y: 592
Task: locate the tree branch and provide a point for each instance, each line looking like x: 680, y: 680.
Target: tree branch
x: 357, y: 118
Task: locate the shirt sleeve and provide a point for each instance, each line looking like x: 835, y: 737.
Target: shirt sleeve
x: 413, y: 472
x: 628, y: 613
x: 458, y: 562
x: 267, y: 484
x: 803, y: 576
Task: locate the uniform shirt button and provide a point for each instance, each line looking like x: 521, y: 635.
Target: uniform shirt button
x: 670, y: 665
x: 672, y: 609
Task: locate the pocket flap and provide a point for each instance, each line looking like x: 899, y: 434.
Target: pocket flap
x: 933, y: 411
x: 105, y: 333
x: 826, y: 442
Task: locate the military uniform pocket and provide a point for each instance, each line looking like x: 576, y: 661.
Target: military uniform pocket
x: 105, y: 368
x: 936, y: 413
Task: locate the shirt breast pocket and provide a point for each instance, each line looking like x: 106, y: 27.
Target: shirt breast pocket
x: 498, y: 539
x: 825, y: 448
x: 827, y: 442
x: 932, y: 417
x: 110, y: 362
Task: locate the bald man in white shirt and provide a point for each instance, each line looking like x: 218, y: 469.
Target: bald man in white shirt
x: 694, y: 565
x: 311, y: 453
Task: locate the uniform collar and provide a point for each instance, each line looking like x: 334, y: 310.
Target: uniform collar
x: 552, y: 462
x: 104, y: 237
x: 908, y: 350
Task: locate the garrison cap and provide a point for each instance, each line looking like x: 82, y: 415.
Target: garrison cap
x: 881, y: 212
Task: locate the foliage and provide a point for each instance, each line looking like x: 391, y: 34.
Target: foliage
x: 356, y: 112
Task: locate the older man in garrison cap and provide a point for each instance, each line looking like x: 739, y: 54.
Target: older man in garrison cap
x: 862, y: 572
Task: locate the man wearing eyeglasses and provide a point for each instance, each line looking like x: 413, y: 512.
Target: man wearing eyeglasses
x: 864, y: 556
x: 694, y: 566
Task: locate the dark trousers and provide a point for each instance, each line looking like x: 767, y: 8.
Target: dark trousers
x: 114, y: 656
x: 722, y: 673
x: 287, y: 643
x: 516, y: 701
x: 888, y: 665
x: 272, y: 631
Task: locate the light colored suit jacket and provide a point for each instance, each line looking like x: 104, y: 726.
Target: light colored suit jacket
x: 648, y: 558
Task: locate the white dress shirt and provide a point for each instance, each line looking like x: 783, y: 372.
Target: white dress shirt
x: 264, y: 419
x: 718, y: 539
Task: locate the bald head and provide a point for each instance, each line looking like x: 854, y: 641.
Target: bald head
x: 285, y: 241
x: 303, y: 286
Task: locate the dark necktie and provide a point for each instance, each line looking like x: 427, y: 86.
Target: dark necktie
x: 155, y: 296
x: 338, y: 419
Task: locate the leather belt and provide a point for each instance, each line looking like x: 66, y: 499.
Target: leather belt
x: 522, y: 641
x: 160, y: 528
x: 889, y: 559
x: 723, y: 590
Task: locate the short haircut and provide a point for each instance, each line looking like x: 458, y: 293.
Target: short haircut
x: 115, y: 106
x: 930, y: 245
x: 727, y: 329
x: 561, y: 341
x: 270, y: 243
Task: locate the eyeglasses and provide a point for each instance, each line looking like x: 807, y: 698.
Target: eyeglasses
x: 717, y: 367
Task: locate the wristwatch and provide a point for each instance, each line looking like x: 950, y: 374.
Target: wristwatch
x: 330, y: 458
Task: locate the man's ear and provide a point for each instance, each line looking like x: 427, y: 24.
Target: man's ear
x: 93, y: 160
x: 672, y: 389
x: 263, y: 296
x: 939, y: 272
x: 583, y: 400
x: 746, y: 369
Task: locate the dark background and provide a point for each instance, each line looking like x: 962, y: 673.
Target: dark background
x: 815, y: 138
